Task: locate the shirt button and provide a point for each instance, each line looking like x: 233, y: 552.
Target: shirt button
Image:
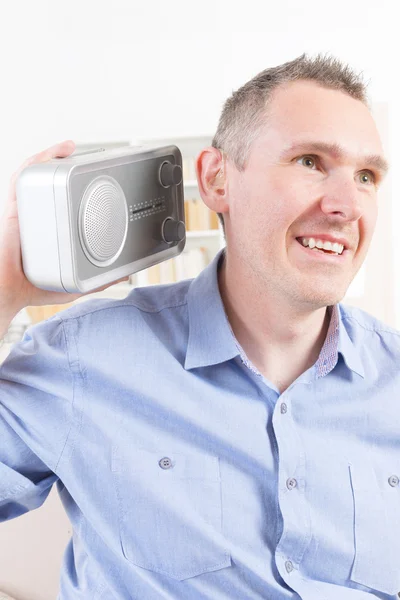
x: 165, y: 463
x: 291, y: 483
x: 283, y: 408
x: 393, y: 480
x: 289, y: 566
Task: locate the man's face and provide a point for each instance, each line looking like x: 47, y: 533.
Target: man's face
x: 310, y: 191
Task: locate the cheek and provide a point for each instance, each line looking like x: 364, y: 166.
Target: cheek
x: 286, y: 200
x: 373, y: 217
x: 367, y: 222
x: 366, y: 231
x: 268, y: 206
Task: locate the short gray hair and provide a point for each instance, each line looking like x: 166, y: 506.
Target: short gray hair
x: 244, y: 112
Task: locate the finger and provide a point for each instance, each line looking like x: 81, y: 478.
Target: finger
x: 60, y: 150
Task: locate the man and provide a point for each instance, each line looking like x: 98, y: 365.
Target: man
x: 235, y: 436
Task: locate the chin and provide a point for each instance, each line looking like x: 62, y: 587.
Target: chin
x: 321, y: 298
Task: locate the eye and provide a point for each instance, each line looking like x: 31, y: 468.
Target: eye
x: 367, y: 177
x: 307, y: 161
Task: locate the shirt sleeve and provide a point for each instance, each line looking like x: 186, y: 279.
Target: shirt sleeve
x: 36, y: 402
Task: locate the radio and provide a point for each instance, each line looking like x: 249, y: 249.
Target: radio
x: 97, y: 216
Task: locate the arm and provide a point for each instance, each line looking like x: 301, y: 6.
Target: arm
x: 36, y: 416
x: 36, y: 385
x: 26, y: 401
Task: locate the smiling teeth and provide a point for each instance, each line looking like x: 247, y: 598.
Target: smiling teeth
x: 322, y: 245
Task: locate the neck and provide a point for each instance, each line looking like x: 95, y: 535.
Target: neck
x: 280, y: 340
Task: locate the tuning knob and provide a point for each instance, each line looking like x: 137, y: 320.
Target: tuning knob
x: 170, y: 174
x: 173, y: 231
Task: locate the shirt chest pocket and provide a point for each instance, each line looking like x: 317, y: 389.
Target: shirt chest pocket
x: 376, y: 494
x: 170, y: 511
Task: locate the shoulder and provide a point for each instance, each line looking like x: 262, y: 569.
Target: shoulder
x: 148, y: 299
x: 364, y: 326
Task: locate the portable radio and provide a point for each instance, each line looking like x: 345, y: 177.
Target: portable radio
x: 97, y: 216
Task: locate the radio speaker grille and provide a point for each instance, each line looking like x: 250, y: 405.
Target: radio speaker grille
x: 103, y: 221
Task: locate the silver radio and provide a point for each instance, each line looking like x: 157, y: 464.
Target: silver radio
x: 100, y: 215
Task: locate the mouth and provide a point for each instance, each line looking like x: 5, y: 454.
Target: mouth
x: 320, y: 254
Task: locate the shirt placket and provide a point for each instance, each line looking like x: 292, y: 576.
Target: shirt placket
x: 296, y: 532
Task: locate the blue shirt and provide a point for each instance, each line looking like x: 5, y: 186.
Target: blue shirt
x: 185, y: 473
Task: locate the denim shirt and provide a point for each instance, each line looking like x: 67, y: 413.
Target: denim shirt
x: 183, y: 470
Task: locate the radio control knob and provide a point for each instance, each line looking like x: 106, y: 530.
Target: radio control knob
x: 170, y: 174
x: 173, y: 231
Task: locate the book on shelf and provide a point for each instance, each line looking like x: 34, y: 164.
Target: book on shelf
x: 186, y: 265
x: 198, y: 216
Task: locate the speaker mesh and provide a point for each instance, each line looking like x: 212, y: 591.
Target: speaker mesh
x: 103, y: 221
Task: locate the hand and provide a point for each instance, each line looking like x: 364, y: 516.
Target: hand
x: 16, y: 291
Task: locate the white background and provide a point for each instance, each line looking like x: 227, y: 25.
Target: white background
x: 109, y: 70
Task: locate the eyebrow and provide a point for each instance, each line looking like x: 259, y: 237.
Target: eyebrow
x: 337, y: 151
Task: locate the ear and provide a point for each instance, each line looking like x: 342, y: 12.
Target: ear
x: 211, y: 178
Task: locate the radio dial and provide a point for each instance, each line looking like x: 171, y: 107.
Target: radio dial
x: 173, y: 231
x: 170, y: 174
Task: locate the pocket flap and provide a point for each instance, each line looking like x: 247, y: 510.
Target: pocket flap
x: 376, y: 527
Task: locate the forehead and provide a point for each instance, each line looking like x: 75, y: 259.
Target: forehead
x: 304, y: 109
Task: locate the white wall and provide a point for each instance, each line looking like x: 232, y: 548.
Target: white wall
x: 105, y: 70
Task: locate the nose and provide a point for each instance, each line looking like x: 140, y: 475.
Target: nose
x: 342, y: 197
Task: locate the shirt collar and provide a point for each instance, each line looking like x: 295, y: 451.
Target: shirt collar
x: 337, y: 341
x: 210, y: 337
x: 212, y: 341
x: 347, y: 349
